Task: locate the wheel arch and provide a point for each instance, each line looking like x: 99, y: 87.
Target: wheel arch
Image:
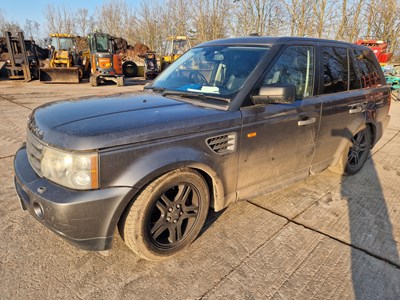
x: 214, y: 183
x: 215, y: 187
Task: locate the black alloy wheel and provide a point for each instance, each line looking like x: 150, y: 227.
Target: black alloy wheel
x: 167, y: 215
x: 174, y: 215
x: 358, y: 152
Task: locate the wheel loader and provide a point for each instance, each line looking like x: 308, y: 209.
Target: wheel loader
x: 64, y: 64
x: 105, y: 64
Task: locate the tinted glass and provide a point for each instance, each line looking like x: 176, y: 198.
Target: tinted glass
x: 335, y: 70
x: 355, y: 82
x: 295, y: 66
x: 367, y: 69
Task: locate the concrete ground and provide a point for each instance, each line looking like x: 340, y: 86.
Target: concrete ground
x: 327, y: 237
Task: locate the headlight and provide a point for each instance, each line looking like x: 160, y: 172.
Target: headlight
x: 73, y: 170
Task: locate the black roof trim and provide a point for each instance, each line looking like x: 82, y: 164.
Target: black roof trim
x: 268, y: 41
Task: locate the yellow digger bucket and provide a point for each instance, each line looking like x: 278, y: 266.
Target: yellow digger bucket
x: 59, y: 75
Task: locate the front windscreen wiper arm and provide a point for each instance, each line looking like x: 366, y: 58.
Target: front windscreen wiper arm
x: 194, y: 95
x: 154, y: 88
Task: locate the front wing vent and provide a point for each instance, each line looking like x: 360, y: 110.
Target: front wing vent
x: 222, y: 144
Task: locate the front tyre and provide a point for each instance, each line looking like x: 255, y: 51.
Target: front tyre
x: 354, y: 158
x: 167, y: 215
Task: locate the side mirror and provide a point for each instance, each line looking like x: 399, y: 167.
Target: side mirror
x: 281, y: 93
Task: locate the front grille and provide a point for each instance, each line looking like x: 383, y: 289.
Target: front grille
x: 34, y: 149
x: 222, y: 144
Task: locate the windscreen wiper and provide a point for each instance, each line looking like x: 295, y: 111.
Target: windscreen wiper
x: 194, y: 95
x: 154, y: 88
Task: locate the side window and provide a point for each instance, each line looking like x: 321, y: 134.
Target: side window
x: 366, y: 68
x: 294, y: 66
x: 335, y: 69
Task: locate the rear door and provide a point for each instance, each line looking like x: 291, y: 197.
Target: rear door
x: 343, y: 104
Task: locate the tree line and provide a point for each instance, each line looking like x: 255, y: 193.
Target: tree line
x: 152, y: 20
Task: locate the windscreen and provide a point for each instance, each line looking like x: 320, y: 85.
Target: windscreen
x: 102, y: 43
x: 62, y: 43
x: 218, y: 70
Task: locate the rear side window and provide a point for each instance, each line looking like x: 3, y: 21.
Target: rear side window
x: 336, y: 71
x: 367, y: 69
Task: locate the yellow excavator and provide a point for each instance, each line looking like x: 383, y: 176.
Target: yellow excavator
x: 64, y: 64
x: 174, y: 47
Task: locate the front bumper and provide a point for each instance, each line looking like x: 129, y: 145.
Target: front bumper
x: 86, y: 219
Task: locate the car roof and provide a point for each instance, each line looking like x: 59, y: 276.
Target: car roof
x: 269, y: 41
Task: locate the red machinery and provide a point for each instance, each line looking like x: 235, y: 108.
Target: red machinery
x: 379, y: 47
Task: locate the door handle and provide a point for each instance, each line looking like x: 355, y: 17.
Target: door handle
x: 355, y: 110
x: 307, y: 121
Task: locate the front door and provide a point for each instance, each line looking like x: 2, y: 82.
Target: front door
x: 278, y: 140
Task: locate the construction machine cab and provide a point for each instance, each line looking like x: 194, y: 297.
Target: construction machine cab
x: 100, y: 42
x: 63, y: 51
x: 62, y: 42
x: 174, y: 47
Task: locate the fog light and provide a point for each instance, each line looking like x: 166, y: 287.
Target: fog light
x: 38, y: 210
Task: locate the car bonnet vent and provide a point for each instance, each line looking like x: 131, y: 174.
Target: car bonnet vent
x: 222, y: 144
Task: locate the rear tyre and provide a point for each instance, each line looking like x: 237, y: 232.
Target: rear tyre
x: 354, y: 157
x: 167, y: 215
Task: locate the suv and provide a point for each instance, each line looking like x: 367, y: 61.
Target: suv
x: 230, y: 119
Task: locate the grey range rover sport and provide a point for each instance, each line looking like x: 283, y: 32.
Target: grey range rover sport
x: 229, y: 120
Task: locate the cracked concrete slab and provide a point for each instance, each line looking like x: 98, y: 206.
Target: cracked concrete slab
x: 299, y: 263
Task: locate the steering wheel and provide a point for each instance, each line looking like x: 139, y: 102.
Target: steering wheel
x: 197, y: 77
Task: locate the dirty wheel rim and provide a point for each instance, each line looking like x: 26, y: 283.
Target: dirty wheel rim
x: 174, y: 216
x: 358, y: 150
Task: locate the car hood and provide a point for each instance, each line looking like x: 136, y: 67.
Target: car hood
x: 107, y: 122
